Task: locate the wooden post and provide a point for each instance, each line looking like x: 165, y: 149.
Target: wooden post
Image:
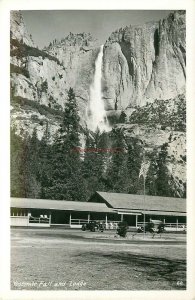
x: 70, y: 219
x: 49, y: 220
x: 88, y: 217
x: 177, y: 223
x: 121, y: 217
x: 144, y: 201
x: 136, y: 217
x: 106, y: 219
x: 164, y: 220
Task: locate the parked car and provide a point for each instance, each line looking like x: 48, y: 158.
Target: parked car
x: 154, y: 226
x: 94, y: 226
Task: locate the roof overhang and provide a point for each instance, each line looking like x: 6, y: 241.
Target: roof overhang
x: 164, y: 213
x: 26, y: 203
x: 149, y: 212
x: 126, y: 212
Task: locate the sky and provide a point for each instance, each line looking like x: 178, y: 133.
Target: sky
x: 47, y: 25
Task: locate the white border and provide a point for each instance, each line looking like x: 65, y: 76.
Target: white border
x: 5, y: 7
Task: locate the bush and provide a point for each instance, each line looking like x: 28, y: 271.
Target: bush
x: 122, y: 229
x: 41, y: 108
x: 123, y: 117
x: 160, y: 113
x: 19, y: 70
x: 44, y: 86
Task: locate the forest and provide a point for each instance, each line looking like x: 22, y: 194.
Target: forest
x: 65, y: 170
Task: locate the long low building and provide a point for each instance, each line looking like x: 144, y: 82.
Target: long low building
x: 108, y: 207
x: 41, y: 212
x: 132, y: 208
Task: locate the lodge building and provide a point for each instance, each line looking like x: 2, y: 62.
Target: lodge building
x: 110, y: 208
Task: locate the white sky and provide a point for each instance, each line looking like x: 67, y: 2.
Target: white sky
x: 46, y: 25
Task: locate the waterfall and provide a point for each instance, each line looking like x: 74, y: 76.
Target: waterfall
x: 96, y: 111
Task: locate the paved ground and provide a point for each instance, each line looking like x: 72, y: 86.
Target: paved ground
x: 59, y: 259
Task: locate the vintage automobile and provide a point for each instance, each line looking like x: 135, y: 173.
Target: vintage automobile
x: 154, y: 226
x: 94, y: 226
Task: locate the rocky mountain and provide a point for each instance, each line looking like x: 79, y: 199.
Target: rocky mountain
x: 140, y: 64
x: 159, y: 123
x: 40, y: 79
x: 18, y: 30
x: 143, y: 75
x: 144, y: 63
x: 77, y: 52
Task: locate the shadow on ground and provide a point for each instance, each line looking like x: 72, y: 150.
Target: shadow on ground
x: 152, y: 268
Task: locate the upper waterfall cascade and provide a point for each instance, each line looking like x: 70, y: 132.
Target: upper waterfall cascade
x: 96, y: 112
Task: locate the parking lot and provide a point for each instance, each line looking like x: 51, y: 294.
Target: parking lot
x: 65, y: 259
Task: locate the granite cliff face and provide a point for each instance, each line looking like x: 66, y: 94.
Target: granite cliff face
x: 140, y: 64
x: 18, y: 30
x: 77, y: 52
x: 43, y: 77
x: 144, y: 63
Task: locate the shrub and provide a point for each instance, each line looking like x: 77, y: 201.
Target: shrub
x: 51, y: 98
x: 122, y: 229
x: 123, y: 117
x: 44, y: 86
x: 41, y: 108
x: 19, y: 70
x: 160, y: 112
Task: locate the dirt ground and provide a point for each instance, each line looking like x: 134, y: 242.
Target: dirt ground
x: 65, y: 259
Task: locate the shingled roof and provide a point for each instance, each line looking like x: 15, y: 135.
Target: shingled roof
x: 136, y: 202
x: 59, y: 205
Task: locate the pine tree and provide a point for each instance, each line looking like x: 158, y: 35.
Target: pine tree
x: 45, y: 166
x: 32, y: 165
x: 94, y: 163
x: 135, y: 156
x: 163, y: 178
x: 117, y: 171
x: 17, y: 178
x: 24, y: 167
x: 151, y: 186
x: 66, y: 178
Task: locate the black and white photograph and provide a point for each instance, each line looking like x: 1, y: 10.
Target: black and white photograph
x: 98, y: 155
